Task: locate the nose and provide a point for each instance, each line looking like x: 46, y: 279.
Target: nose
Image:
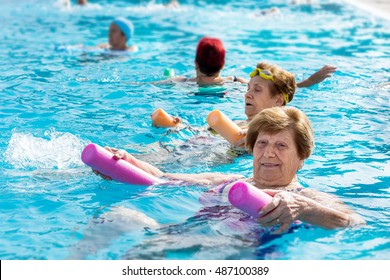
x: 248, y: 94
x: 269, y: 151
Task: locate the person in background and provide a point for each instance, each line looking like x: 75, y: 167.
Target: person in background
x: 120, y: 35
x: 67, y: 3
x: 269, y: 86
x: 210, y: 60
x: 173, y: 4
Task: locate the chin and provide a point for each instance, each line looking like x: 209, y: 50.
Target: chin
x: 249, y: 115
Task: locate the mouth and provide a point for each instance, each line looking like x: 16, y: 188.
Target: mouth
x: 270, y: 165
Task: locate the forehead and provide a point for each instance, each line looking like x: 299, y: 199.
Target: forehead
x: 286, y: 135
x: 114, y: 27
x: 257, y: 80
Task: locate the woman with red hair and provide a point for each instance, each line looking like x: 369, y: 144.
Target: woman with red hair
x: 210, y: 60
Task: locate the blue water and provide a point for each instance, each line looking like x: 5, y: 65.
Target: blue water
x: 55, y: 98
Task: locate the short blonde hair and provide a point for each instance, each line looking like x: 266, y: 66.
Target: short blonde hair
x: 284, y: 80
x: 276, y: 119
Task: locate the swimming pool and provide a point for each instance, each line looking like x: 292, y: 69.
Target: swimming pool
x: 55, y: 100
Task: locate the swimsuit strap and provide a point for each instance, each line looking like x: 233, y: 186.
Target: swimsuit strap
x: 220, y: 188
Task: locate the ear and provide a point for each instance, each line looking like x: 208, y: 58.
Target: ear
x: 279, y: 100
x: 301, y: 162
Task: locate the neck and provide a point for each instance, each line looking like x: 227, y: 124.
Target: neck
x: 119, y: 47
x: 266, y: 185
x: 203, y: 79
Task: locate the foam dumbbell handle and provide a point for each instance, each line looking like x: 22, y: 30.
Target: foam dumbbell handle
x: 224, y: 126
x: 120, y: 170
x: 248, y: 198
x: 160, y: 118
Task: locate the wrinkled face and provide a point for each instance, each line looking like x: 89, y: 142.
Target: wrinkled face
x: 259, y: 96
x: 275, y: 159
x: 115, y: 37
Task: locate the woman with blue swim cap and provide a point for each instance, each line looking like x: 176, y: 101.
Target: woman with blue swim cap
x: 120, y: 34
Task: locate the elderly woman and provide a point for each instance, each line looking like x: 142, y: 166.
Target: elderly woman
x: 119, y: 35
x: 269, y: 86
x: 280, y: 138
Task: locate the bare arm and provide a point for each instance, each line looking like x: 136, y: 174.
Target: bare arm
x: 202, y: 178
x: 318, y: 77
x: 122, y: 154
x: 177, y: 79
x: 238, y: 79
x: 310, y: 206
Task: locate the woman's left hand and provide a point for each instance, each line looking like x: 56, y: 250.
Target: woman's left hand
x: 284, y: 209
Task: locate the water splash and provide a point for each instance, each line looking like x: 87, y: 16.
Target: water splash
x: 59, y: 151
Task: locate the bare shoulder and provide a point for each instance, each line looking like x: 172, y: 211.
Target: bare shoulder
x: 104, y: 46
x: 132, y: 48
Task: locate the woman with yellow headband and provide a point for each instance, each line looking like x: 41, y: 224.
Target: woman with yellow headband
x: 269, y: 86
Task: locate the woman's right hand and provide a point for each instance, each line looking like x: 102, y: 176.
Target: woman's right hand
x: 118, y: 154
x: 122, y: 154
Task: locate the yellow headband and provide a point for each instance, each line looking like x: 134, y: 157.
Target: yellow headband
x: 285, y: 97
x: 267, y: 75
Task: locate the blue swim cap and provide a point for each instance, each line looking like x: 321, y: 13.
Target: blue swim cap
x: 126, y: 26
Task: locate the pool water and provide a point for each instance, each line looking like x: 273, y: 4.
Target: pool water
x: 56, y: 98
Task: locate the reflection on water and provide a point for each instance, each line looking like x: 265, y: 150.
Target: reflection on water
x: 56, y: 97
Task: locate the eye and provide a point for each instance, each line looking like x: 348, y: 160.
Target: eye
x: 258, y: 89
x: 262, y: 143
x: 281, y: 145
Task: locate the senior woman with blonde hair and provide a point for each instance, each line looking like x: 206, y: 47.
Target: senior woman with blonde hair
x: 280, y: 138
x: 269, y: 86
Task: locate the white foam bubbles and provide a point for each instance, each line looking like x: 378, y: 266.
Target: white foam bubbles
x: 56, y: 150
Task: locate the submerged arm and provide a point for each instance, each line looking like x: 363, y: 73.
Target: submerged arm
x: 310, y: 206
x: 325, y: 210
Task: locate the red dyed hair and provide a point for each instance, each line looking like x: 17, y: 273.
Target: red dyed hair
x: 210, y: 55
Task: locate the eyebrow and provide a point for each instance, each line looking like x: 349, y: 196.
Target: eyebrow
x: 256, y: 84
